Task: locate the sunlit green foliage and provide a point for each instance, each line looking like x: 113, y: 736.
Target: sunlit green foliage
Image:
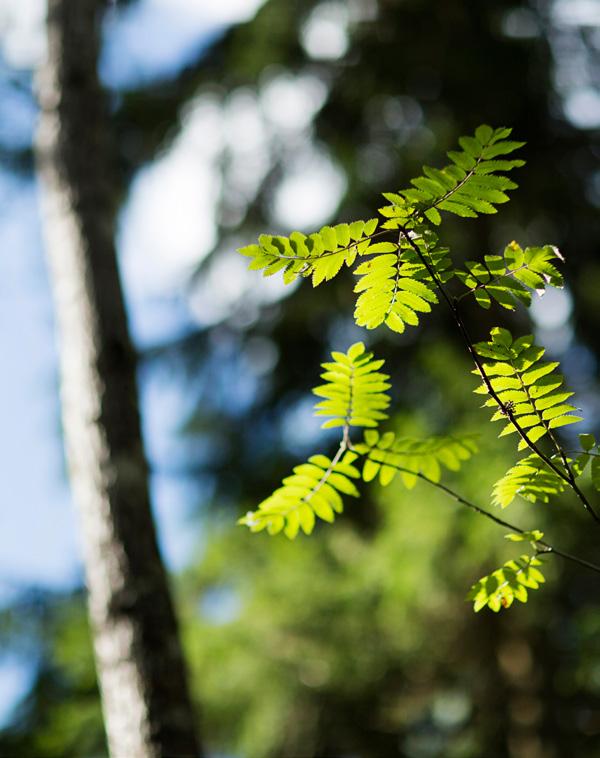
x: 402, y: 278
x: 315, y: 489
x: 355, y: 395
x: 509, y: 278
x: 355, y: 392
x: 399, y: 283
x: 507, y: 584
x: 320, y: 255
x: 470, y: 185
x: 527, y: 390
x: 596, y: 470
x: 388, y: 455
x: 533, y: 536
x: 422, y: 255
x: 531, y: 479
x: 388, y: 296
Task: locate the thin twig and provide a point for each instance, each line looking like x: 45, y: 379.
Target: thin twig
x: 334, y: 461
x: 548, y: 548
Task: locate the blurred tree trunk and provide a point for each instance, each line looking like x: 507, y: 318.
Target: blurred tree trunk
x: 146, y: 704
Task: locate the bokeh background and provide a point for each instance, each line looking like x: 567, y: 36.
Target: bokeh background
x: 237, y: 117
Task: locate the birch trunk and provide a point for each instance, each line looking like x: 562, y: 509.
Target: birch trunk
x: 146, y: 705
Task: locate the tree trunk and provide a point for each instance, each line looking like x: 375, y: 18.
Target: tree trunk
x: 147, y: 709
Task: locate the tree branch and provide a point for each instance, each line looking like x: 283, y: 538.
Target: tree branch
x: 548, y: 548
x: 567, y: 476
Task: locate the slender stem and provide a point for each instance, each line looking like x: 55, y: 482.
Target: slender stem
x: 334, y: 461
x: 568, y: 476
x: 346, y: 438
x: 548, y: 548
x: 569, y: 557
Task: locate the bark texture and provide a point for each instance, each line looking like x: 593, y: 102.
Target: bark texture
x: 146, y: 704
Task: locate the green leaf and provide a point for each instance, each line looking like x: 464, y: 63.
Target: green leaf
x: 531, y: 479
x: 587, y: 441
x: 508, y: 583
x: 484, y: 133
x: 555, y: 423
x: 411, y: 457
x: 381, y: 247
x: 595, y: 468
x: 320, y: 255
x: 471, y: 185
x: 396, y: 287
x: 511, y: 278
x: 501, y: 148
x: 370, y: 470
x: 532, y: 536
x: 312, y: 491
x: 355, y: 391
x: 528, y: 402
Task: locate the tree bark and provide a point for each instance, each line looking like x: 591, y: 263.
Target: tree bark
x: 146, y: 704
